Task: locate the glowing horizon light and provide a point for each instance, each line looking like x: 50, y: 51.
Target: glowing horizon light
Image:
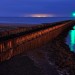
x: 39, y: 15
x: 74, y: 27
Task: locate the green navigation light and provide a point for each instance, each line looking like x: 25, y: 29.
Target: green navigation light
x: 73, y: 14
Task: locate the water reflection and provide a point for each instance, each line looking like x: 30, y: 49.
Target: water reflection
x: 71, y: 39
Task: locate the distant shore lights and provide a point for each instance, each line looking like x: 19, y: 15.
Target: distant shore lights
x: 39, y: 15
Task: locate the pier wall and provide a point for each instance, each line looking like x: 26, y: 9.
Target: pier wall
x: 31, y: 41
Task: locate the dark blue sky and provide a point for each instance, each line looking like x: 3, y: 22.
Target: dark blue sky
x: 20, y: 8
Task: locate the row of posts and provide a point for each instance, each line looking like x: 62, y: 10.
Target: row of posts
x: 29, y: 42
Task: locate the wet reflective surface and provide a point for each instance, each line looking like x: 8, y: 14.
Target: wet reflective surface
x: 71, y: 39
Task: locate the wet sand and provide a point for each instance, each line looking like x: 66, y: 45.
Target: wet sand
x: 23, y: 65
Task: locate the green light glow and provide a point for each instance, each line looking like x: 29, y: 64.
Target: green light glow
x: 73, y: 27
x: 73, y: 14
x: 72, y: 42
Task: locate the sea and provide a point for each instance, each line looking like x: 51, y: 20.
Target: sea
x: 33, y: 20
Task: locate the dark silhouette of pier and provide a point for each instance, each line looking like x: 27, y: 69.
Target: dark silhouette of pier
x: 17, y: 41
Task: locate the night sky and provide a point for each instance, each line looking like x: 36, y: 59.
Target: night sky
x: 26, y: 8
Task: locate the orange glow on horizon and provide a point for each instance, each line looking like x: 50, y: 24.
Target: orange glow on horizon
x: 39, y: 15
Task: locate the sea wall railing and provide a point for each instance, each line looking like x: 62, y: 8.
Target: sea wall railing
x: 25, y: 43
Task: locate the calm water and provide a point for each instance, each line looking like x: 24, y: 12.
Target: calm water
x: 71, y: 39
x: 33, y: 20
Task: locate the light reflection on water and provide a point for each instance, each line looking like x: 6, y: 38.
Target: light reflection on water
x: 71, y: 39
